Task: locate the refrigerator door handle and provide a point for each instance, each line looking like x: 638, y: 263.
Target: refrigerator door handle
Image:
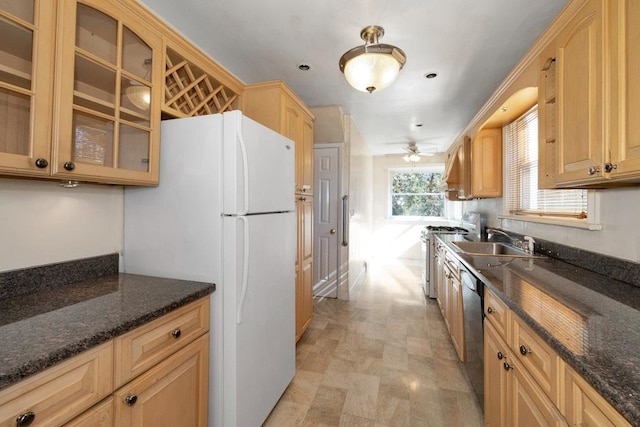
x: 245, y: 167
x: 245, y: 270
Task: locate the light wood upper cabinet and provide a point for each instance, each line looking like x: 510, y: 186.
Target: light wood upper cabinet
x: 625, y: 90
x: 579, y: 96
x: 107, y: 113
x: 274, y: 105
x: 486, y: 163
x: 26, y: 87
x: 589, y: 98
x: 92, y: 115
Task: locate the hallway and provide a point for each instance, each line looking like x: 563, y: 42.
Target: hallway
x: 381, y: 359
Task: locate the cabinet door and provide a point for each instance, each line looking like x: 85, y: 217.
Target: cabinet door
x: 547, y: 134
x: 580, y: 114
x: 173, y: 393
x: 457, y: 318
x: 495, y: 378
x: 528, y: 404
x: 439, y: 278
x: 108, y: 113
x: 307, y: 161
x: 100, y: 415
x: 26, y: 28
x: 625, y: 89
x: 304, y: 271
x: 585, y: 407
x: 486, y: 164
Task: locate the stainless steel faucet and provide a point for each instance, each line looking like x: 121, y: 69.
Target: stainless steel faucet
x: 513, y: 241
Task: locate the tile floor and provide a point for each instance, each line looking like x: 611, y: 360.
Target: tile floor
x: 384, y: 358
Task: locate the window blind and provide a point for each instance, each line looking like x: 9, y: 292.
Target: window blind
x: 522, y: 194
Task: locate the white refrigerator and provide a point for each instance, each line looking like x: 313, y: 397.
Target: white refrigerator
x: 224, y: 212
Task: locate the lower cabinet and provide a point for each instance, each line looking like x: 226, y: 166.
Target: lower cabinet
x: 585, y: 407
x: 512, y: 397
x: 449, y: 297
x: 527, y: 383
x: 173, y: 393
x: 159, y: 372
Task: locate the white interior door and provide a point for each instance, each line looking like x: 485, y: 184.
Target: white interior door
x: 327, y: 208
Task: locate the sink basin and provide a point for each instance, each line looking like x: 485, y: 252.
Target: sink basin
x: 492, y: 249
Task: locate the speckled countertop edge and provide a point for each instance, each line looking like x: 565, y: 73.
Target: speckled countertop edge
x: 599, y: 370
x: 32, y: 344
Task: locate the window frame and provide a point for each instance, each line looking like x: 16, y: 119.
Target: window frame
x: 421, y: 169
x: 590, y: 222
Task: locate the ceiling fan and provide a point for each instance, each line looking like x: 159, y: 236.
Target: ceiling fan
x: 412, y: 154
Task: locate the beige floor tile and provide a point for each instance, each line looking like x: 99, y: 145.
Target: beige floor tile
x: 361, y: 396
x: 382, y: 359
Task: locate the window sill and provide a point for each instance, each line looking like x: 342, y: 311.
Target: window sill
x: 574, y: 223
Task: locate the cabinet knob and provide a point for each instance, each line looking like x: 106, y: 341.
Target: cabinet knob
x: 608, y: 167
x: 507, y: 366
x: 25, y: 419
x: 524, y: 350
x: 332, y: 231
x: 489, y: 310
x: 592, y: 170
x: 302, y: 199
x: 131, y: 399
x: 176, y: 333
x: 69, y: 166
x: 500, y: 356
x: 42, y: 163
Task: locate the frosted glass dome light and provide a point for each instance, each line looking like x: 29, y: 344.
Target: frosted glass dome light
x: 372, y: 66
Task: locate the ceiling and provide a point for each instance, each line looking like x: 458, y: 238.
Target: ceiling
x: 471, y: 45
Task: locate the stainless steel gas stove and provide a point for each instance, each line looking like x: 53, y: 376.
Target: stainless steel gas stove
x: 470, y: 229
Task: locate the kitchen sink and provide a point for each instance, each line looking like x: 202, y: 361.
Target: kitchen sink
x: 494, y: 249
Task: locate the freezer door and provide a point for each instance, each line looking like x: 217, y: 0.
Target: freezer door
x: 258, y: 291
x: 258, y: 168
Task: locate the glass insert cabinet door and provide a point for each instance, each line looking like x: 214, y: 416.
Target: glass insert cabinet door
x: 26, y: 27
x: 110, y: 73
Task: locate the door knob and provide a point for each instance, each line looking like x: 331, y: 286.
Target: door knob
x: 332, y: 231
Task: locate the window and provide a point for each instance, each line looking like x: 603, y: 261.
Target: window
x: 522, y: 194
x: 416, y: 193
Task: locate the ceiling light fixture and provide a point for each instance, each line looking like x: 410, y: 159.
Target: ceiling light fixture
x: 413, y: 155
x: 372, y: 66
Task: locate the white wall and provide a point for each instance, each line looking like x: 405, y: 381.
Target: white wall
x: 619, y: 237
x: 396, y: 238
x: 360, y: 204
x: 43, y: 223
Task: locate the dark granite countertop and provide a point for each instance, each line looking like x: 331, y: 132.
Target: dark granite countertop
x: 51, y: 324
x: 591, y: 320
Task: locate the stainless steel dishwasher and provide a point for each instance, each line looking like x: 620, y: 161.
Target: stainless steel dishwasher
x: 473, y: 302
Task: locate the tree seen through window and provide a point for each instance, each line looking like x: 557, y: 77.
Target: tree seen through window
x: 416, y: 193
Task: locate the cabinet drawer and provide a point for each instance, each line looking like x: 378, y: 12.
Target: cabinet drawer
x: 61, y: 392
x: 540, y: 360
x: 147, y: 345
x: 452, y: 264
x: 496, y: 312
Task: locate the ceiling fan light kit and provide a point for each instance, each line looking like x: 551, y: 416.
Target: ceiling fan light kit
x: 372, y: 66
x: 413, y: 155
